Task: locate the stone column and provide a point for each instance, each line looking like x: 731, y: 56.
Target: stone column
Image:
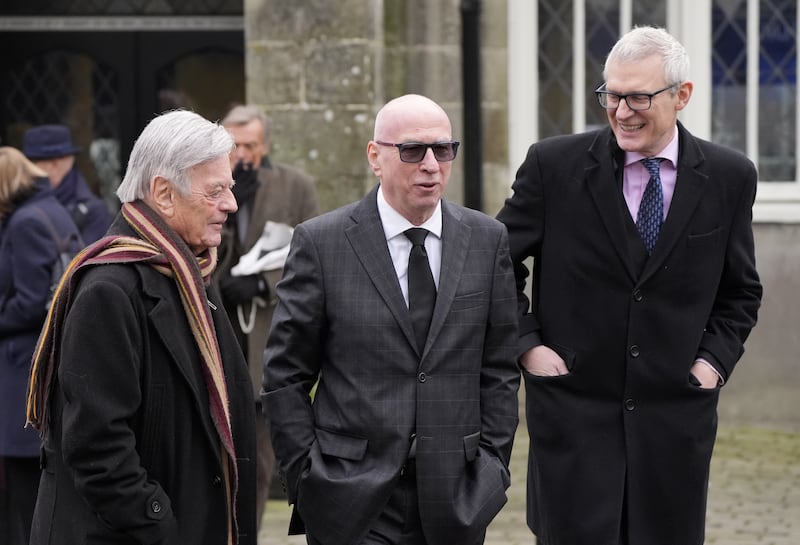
x: 322, y: 68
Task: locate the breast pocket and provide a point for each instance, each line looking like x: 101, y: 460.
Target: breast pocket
x: 469, y: 301
x: 710, y: 238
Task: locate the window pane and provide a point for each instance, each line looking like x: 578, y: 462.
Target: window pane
x: 74, y: 90
x: 777, y: 80
x: 729, y: 73
x: 602, y: 29
x: 555, y: 67
x: 650, y: 12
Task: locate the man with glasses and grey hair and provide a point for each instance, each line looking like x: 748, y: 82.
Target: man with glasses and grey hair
x: 400, y: 309
x: 644, y: 290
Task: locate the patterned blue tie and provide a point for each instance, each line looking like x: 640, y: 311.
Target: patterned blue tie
x: 651, y: 209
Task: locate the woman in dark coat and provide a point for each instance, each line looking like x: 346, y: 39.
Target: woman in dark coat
x: 29, y: 213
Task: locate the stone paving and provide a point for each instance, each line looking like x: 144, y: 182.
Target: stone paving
x: 754, y: 493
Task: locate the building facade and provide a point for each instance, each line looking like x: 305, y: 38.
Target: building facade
x: 322, y: 68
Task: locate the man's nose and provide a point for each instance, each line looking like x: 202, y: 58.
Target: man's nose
x: 624, y: 108
x: 429, y: 161
x: 228, y: 202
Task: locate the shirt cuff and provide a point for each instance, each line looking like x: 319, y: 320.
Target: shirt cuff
x: 706, y: 362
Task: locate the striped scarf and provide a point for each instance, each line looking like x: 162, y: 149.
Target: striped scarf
x: 160, y: 247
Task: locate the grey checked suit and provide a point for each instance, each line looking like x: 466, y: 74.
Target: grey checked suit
x: 341, y: 316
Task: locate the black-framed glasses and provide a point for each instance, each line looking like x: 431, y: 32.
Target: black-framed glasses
x: 636, y: 101
x: 414, y: 152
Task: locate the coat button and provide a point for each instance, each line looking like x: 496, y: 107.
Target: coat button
x: 422, y: 377
x: 629, y: 404
x: 637, y: 295
x: 155, y: 506
x: 217, y: 480
x: 634, y: 351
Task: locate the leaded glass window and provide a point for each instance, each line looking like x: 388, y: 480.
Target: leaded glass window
x: 555, y: 67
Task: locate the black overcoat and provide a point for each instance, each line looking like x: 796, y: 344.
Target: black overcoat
x: 132, y: 455
x: 625, y: 439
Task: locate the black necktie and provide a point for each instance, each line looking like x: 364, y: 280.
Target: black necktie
x: 651, y: 209
x: 421, y: 288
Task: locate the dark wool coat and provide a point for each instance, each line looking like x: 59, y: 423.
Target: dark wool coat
x: 132, y: 455
x: 88, y: 211
x: 285, y: 195
x: 625, y: 439
x: 27, y: 254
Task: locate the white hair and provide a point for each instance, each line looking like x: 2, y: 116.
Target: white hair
x: 169, y: 146
x: 645, y: 41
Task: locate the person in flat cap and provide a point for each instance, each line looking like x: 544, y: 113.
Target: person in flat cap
x: 50, y: 147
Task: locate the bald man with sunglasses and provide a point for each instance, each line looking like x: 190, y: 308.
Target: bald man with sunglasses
x: 408, y: 437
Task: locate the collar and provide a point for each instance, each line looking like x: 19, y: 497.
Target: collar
x: 395, y: 224
x: 669, y: 153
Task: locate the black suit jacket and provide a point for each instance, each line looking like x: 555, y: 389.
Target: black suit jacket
x: 341, y: 318
x: 626, y: 430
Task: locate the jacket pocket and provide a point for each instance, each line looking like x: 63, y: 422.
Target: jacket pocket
x: 469, y: 301
x: 341, y: 446
x: 704, y: 239
x: 566, y: 354
x: 471, y: 444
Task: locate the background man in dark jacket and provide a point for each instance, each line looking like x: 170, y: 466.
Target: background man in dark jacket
x: 50, y: 147
x: 138, y: 384
x: 265, y: 191
x: 644, y: 291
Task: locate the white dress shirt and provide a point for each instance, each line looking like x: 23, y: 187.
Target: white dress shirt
x: 394, y: 226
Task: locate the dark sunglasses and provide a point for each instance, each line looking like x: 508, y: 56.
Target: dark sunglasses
x: 414, y: 152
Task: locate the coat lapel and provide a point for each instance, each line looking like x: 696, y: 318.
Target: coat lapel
x: 258, y: 212
x: 182, y: 348
x: 366, y: 236
x: 600, y: 175
x: 455, y: 246
x: 689, y: 189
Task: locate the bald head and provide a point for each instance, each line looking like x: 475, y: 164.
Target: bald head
x: 406, y: 112
x: 412, y: 187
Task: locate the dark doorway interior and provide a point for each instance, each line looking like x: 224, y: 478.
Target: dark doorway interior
x: 107, y: 85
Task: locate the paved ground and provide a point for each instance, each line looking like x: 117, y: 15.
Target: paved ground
x: 754, y: 494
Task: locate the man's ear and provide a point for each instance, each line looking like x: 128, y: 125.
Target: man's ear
x: 162, y: 196
x: 372, y: 158
x: 684, y: 94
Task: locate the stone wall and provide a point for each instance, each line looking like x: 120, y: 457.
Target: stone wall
x: 765, y: 386
x: 321, y: 69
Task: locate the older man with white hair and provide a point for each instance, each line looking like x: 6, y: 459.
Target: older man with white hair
x: 138, y: 385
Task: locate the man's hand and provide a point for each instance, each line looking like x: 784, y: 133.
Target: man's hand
x: 543, y: 362
x: 241, y: 289
x: 705, y: 375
